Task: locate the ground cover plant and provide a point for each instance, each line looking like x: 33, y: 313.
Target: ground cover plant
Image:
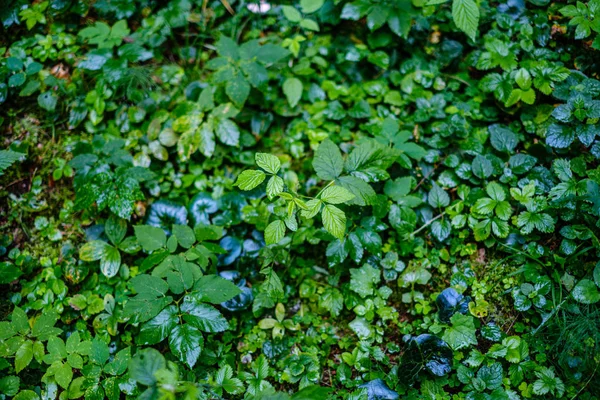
x: 323, y: 199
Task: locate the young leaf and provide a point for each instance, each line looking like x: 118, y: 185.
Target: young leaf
x: 292, y: 88
x: 250, y: 179
x: 334, y: 221
x: 465, y: 14
x: 275, y: 232
x: 336, y: 195
x: 268, y: 162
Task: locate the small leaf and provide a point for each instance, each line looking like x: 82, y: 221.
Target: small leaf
x: 186, y: 343
x: 334, y: 221
x: 250, y: 179
x: 274, y: 232
x: 465, y: 14
x: 292, y: 88
x: 268, y: 162
x: 336, y: 195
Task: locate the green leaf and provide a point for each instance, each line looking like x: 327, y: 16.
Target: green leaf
x: 92, y: 251
x: 292, y: 88
x: 23, y: 356
x: 115, y: 229
x: 437, y: 197
x: 310, y: 6
x: 328, y: 162
x: 228, y: 132
x: 364, y: 280
x: 268, y: 162
x: 462, y: 332
x: 363, y: 192
x: 9, y: 385
x: 334, y: 221
x: 502, y: 139
x: 216, y: 290
x: 47, y: 101
x: 158, y: 328
x: 185, y: 235
x: 150, y: 237
x: 144, y: 365
x: 465, y: 14
x: 110, y: 262
x: 274, y: 187
x: 238, y: 90
x: 8, y: 158
x: 336, y: 195
x: 186, y: 343
x: 291, y: 14
x: 586, y: 292
x: 148, y: 284
x: 250, y: 179
x: 274, y: 232
x: 63, y: 375
x: 203, y: 316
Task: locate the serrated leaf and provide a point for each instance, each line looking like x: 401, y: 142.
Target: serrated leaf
x: 336, y: 195
x: 268, y: 162
x: 334, y: 221
x: 274, y: 232
x: 186, y: 343
x: 250, y: 179
x: 465, y: 14
x: 328, y: 162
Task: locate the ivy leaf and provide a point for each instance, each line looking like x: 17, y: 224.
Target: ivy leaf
x: 462, y: 332
x: 334, y: 221
x: 186, y: 343
x: 465, y: 14
x: 250, y: 179
x: 274, y: 232
x: 328, y: 162
x: 292, y: 88
x: 502, y: 139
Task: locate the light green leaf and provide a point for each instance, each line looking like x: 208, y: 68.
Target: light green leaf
x: 462, y: 332
x: 23, y: 356
x: 274, y: 187
x: 274, y: 232
x: 336, y: 195
x: 292, y: 88
x: 586, y: 292
x: 466, y: 16
x: 92, y: 251
x: 310, y: 6
x: 268, y: 162
x: 250, y: 179
x: 334, y: 221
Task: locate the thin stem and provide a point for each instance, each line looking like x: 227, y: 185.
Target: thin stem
x: 428, y: 223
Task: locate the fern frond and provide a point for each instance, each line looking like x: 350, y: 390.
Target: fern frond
x: 8, y: 158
